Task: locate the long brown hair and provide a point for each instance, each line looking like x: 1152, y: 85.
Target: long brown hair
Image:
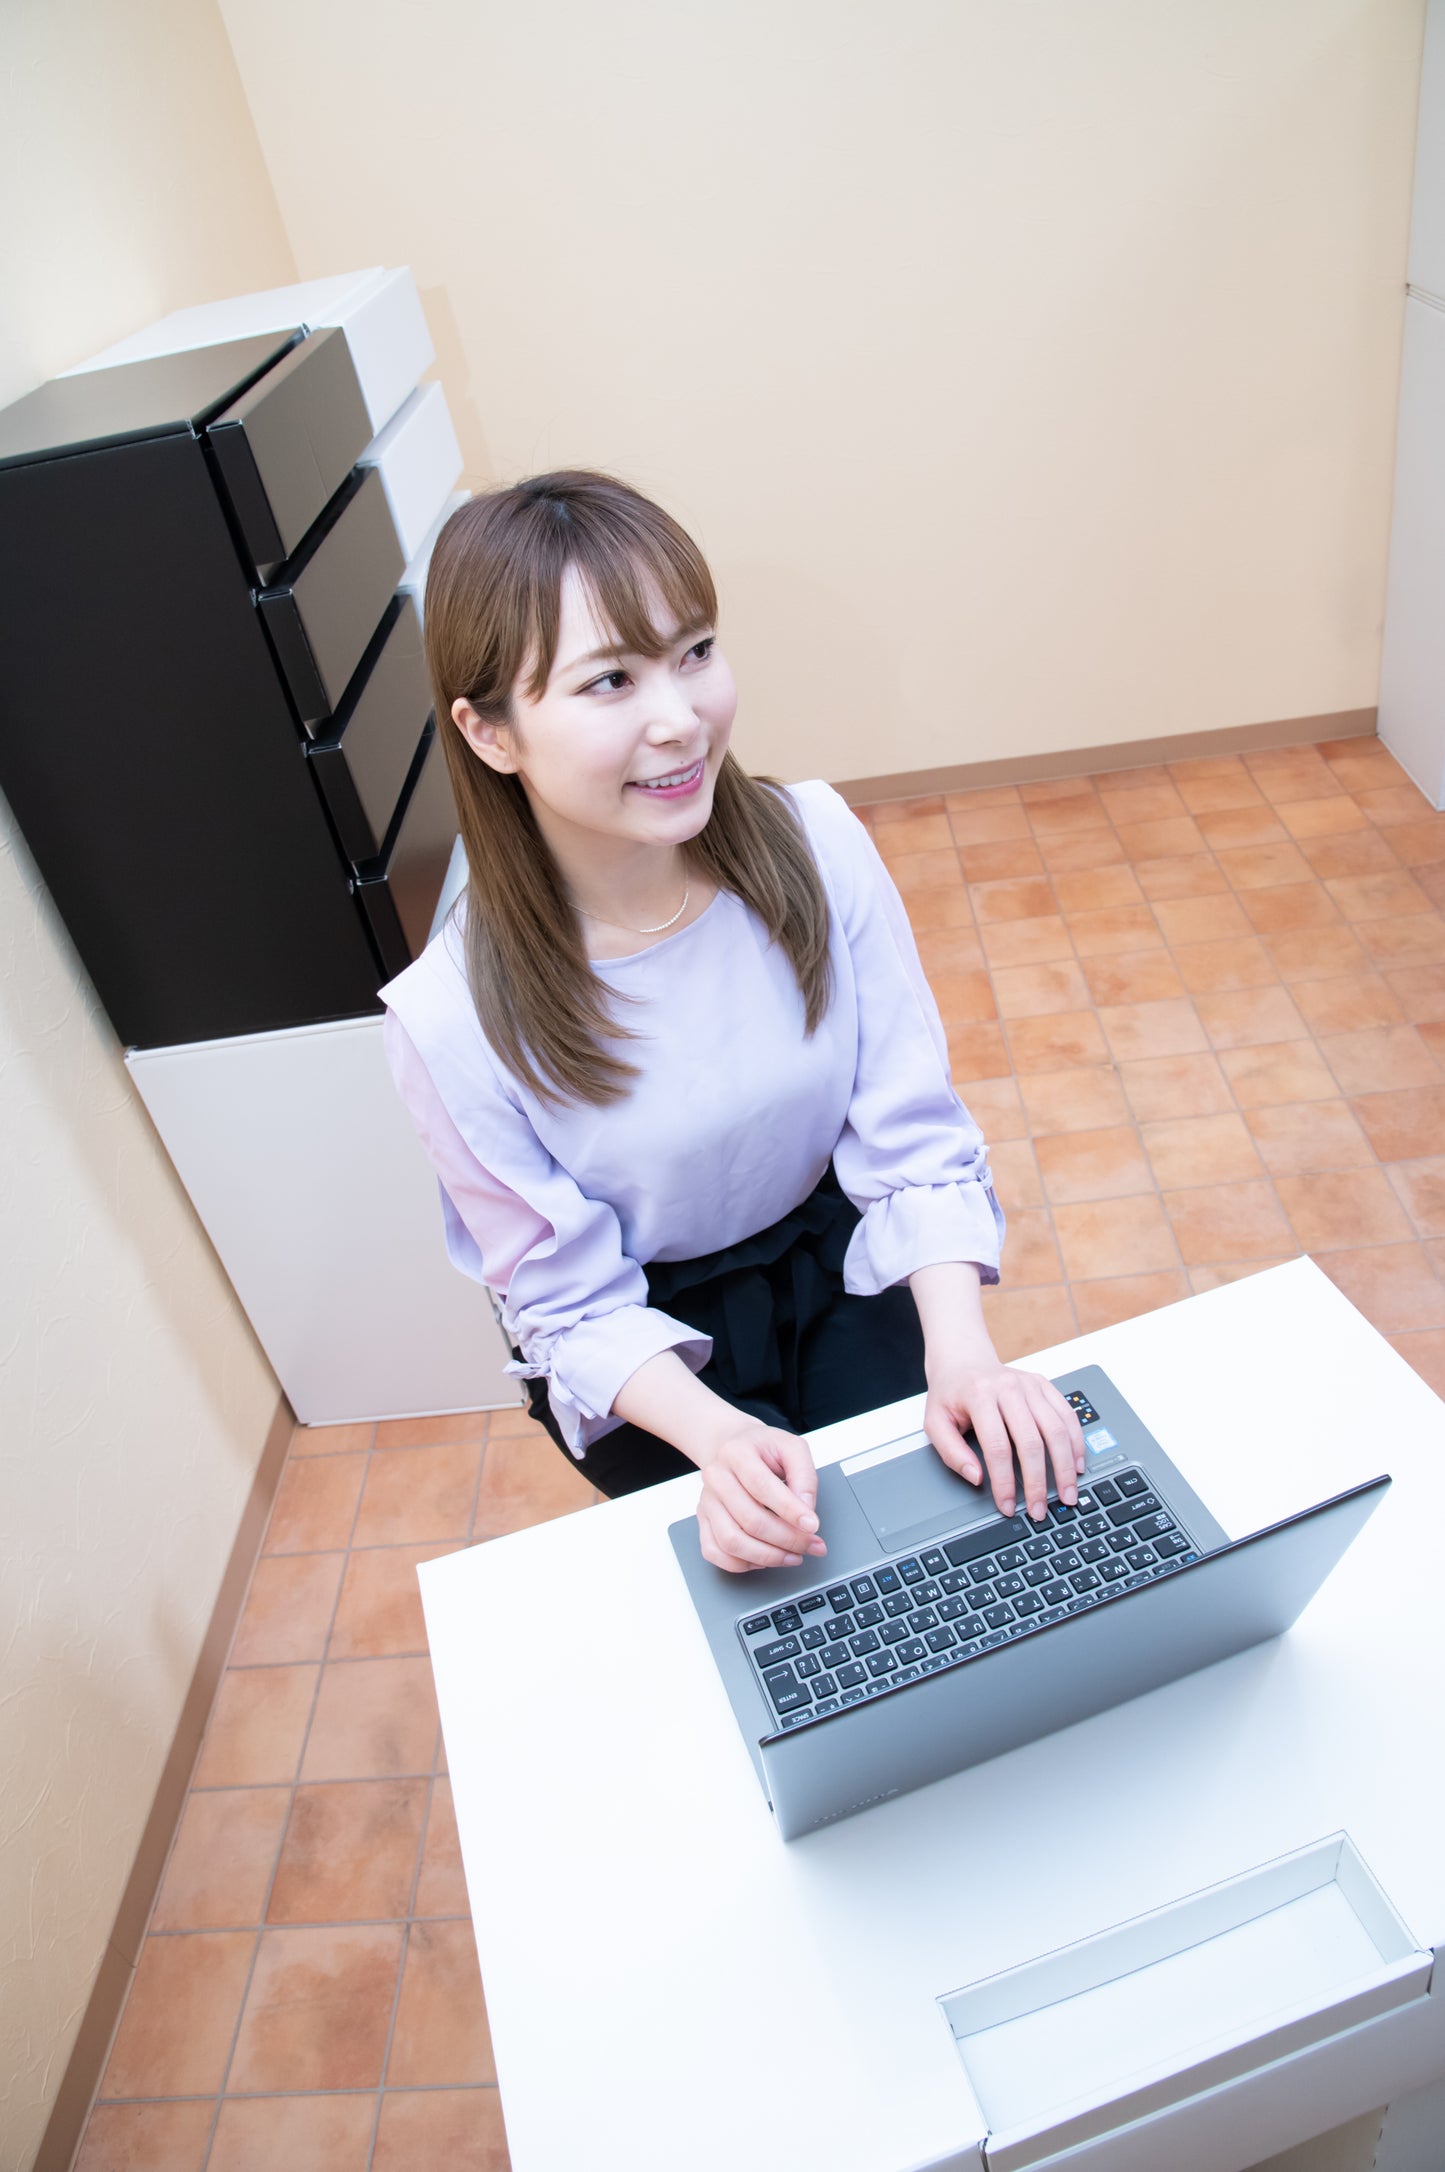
x: 492, y: 611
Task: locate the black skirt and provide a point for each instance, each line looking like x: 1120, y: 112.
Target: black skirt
x: 789, y: 1344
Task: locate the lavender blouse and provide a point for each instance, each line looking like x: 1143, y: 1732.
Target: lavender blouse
x: 731, y: 1123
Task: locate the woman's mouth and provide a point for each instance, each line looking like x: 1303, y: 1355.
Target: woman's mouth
x: 677, y: 784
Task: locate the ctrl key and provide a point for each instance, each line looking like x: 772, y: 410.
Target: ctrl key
x: 787, y: 1692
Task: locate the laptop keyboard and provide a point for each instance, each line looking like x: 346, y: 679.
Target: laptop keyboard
x: 931, y: 1609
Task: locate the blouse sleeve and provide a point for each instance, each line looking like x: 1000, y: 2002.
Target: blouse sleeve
x: 572, y: 1301
x: 911, y: 1158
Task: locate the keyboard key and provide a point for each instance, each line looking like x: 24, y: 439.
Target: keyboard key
x: 1141, y: 1557
x: 894, y: 1632
x: 954, y: 1581
x: 825, y: 1704
x: 1037, y: 1548
x: 840, y: 1598
x: 1095, y: 1526
x: 808, y: 1666
x: 925, y: 1594
x: 853, y: 1696
x: 952, y: 1609
x: 996, y: 1616
x: 1174, y: 1543
x: 911, y: 1651
x: 851, y: 1674
x: 786, y: 1619
x: 1152, y: 1527
x: 982, y: 1595
x: 882, y: 1663
x: 997, y: 1636
x: 1093, y: 1550
x: 1057, y: 1592
x: 1037, y: 1572
x: 924, y: 1618
x: 842, y: 1625
x: 900, y: 1603
x: 870, y: 1616
x: 811, y: 1604
x: 1065, y: 1560
x: 982, y: 1571
x: 783, y: 1648
x: 1064, y: 1513
x: 908, y: 1674
x: 834, y: 1655
x: 987, y: 1538
x: 825, y: 1686
x: 1086, y: 1580
x: 911, y: 1571
x: 886, y: 1579
x: 1008, y: 1587
x: 933, y: 1561
x: 1108, y: 1490
x: 864, y: 1642
x: 757, y: 1625
x: 939, y: 1640
x: 1030, y: 1603
x: 1119, y: 1542
x: 814, y: 1638
x: 1113, y: 1569
x: 1131, y: 1482
x: 864, y: 1589
x: 796, y: 1719
x: 1012, y: 1557
x: 791, y: 1700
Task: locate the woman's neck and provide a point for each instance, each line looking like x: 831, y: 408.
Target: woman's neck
x: 622, y: 889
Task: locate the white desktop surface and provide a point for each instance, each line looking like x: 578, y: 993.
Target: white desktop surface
x: 671, y: 1985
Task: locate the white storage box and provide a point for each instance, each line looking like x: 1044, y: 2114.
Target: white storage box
x: 413, y: 581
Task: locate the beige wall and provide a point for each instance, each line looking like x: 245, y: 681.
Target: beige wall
x: 134, y: 1402
x: 1029, y: 372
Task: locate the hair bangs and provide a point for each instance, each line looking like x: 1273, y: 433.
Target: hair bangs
x: 646, y: 580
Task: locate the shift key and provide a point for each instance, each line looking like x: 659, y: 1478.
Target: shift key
x: 772, y: 1655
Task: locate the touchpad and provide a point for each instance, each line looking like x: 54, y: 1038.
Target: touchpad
x: 909, y: 1494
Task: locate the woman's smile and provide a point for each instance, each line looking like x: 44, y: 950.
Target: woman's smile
x: 677, y: 784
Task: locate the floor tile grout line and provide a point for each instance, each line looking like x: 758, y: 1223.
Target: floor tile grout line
x: 411, y: 1918
x: 290, y: 1807
x: 266, y: 2096
x: 321, y: 1923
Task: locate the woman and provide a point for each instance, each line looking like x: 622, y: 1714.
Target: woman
x: 675, y: 1060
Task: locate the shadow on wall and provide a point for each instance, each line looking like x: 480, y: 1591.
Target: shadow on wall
x: 452, y: 367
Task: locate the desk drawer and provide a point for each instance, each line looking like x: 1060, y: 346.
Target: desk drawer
x: 399, y: 893
x: 419, y: 460
x: 363, y: 764
x: 326, y: 603
x: 288, y: 444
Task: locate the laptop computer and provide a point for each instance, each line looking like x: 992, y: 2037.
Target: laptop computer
x: 938, y: 1633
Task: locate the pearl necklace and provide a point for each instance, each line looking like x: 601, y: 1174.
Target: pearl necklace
x: 661, y: 928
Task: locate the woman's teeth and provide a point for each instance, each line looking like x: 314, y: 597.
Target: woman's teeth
x: 663, y: 784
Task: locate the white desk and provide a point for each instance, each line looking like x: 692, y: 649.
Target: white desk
x: 671, y: 1986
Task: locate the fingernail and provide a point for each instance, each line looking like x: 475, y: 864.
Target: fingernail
x: 809, y: 1522
x: 817, y: 1547
x: 1036, y: 1510
x: 792, y: 1561
x: 1071, y: 1495
x: 1006, y: 1508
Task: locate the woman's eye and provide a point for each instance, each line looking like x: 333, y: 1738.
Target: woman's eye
x: 609, y: 683
x: 702, y: 650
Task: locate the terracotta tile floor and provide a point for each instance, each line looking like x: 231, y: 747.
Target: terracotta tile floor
x: 1199, y: 1011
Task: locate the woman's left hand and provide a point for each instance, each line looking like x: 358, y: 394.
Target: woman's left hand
x: 1013, y: 1414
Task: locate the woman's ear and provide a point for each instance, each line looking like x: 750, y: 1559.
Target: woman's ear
x: 486, y: 737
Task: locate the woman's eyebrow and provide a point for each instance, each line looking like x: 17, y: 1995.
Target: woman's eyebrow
x: 601, y: 656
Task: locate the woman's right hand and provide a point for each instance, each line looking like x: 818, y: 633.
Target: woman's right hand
x: 759, y: 1495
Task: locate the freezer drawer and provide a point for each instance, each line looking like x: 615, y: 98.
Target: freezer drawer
x: 326, y: 603
x: 398, y: 894
x: 286, y: 446
x: 362, y: 767
x: 419, y: 460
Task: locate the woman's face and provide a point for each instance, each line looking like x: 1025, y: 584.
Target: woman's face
x: 616, y: 745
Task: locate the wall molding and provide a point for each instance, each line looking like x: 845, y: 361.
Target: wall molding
x: 91, y: 2049
x: 1124, y: 754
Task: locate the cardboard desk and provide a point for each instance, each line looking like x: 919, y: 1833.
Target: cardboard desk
x: 670, y: 1985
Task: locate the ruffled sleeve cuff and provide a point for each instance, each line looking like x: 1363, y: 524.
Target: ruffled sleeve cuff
x: 586, y: 1366
x: 922, y: 1226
